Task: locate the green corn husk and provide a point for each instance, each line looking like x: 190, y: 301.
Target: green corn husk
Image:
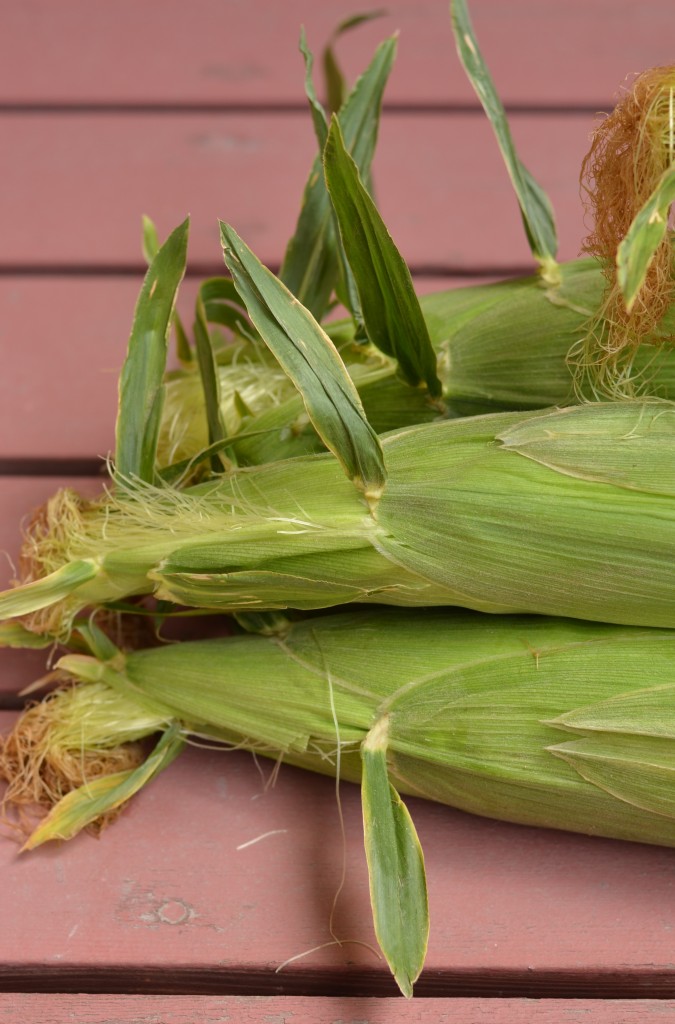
x: 532, y: 720
x: 500, y: 347
x: 566, y: 512
x: 505, y: 716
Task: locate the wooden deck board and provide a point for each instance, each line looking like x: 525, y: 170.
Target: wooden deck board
x: 227, y: 52
x: 54, y: 1009
x: 441, y: 185
x: 172, y: 898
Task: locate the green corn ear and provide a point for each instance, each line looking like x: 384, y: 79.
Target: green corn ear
x: 565, y: 512
x: 500, y: 347
x: 534, y: 720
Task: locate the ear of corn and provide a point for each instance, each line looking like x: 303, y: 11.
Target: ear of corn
x: 498, y: 513
x: 532, y: 720
x: 498, y: 347
x: 539, y: 721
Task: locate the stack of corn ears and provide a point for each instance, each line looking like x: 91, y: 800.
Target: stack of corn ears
x: 329, y: 466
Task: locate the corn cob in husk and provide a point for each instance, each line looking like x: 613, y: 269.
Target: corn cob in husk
x: 522, y: 718
x: 567, y: 512
x: 527, y: 719
x: 499, y: 346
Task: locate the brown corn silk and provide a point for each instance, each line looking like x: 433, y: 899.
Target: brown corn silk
x: 629, y: 152
x: 65, y: 741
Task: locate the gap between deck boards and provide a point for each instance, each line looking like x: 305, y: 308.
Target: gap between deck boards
x: 453, y: 274
x: 492, y: 984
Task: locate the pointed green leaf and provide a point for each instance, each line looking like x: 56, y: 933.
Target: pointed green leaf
x: 312, y: 362
x: 222, y: 306
x: 391, y: 310
x: 638, y: 770
x: 643, y: 238
x: 42, y: 593
x: 13, y: 634
x: 150, y: 241
x: 183, y: 347
x: 210, y: 381
x: 87, y: 803
x: 336, y: 86
x: 648, y: 712
x: 535, y: 207
x: 398, y: 891
x: 319, y: 119
x: 311, y: 265
x: 150, y: 248
x: 141, y: 386
x: 97, y: 642
x: 626, y: 444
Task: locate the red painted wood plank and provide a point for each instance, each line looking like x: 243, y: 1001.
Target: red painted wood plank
x: 226, y: 52
x: 63, y: 343
x: 75, y: 186
x: 54, y: 1009
x: 175, y: 897
x: 18, y: 497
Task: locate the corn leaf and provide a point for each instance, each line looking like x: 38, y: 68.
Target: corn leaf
x: 650, y: 711
x: 336, y: 85
x: 311, y: 265
x: 619, y: 445
x: 150, y: 245
x: 312, y: 362
x: 319, y: 118
x: 100, y: 796
x: 535, y: 206
x: 210, y: 382
x: 344, y: 283
x: 141, y: 381
x: 150, y: 240
x: 391, y: 311
x: 222, y: 305
x: 398, y: 891
x: 177, y: 470
x: 643, y: 238
x: 44, y: 592
x: 97, y: 642
x: 13, y: 634
x: 637, y: 770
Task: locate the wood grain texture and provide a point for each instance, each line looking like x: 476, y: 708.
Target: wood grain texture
x: 76, y: 185
x: 175, y: 898
x: 212, y: 879
x: 107, y: 1009
x: 225, y: 51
